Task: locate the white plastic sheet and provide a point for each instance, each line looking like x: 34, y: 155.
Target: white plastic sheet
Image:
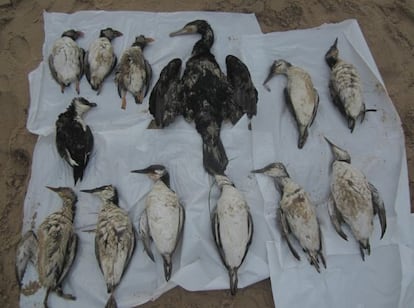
x: 122, y: 143
x: 376, y: 147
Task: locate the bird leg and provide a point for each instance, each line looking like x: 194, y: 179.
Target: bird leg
x: 77, y: 87
x: 123, y: 104
x: 62, y: 88
x: 60, y: 293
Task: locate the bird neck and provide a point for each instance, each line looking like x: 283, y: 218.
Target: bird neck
x: 331, y: 61
x: 165, y: 179
x: 69, y: 209
x: 204, y: 44
x: 282, y: 182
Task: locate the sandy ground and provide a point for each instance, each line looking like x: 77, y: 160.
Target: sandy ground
x: 388, y: 27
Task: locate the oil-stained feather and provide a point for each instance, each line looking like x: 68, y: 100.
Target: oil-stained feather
x: 285, y: 232
x: 26, y: 252
x: 336, y: 219
x: 145, y: 235
x: 379, y: 208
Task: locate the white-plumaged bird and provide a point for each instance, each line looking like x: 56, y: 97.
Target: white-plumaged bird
x: 163, y: 217
x: 114, y: 239
x: 345, y: 87
x: 134, y: 72
x: 355, y: 201
x: 100, y: 59
x: 232, y: 226
x: 300, y: 96
x: 297, y: 215
x: 66, y: 60
x: 54, y: 248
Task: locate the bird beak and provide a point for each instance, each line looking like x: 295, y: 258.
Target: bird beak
x: 80, y: 33
x: 117, y: 33
x: 149, y: 40
x: 262, y: 170
x: 92, y: 104
x: 185, y: 30
x: 269, y: 76
x: 142, y: 171
x: 93, y: 190
x: 335, y: 45
x: 339, y: 153
x: 55, y: 189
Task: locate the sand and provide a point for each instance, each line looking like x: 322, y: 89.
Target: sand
x: 388, y: 26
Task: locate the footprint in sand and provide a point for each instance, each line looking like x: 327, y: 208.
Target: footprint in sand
x: 19, y: 48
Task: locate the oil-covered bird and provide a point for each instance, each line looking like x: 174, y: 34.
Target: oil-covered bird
x: 300, y: 95
x: 345, y: 87
x: 100, y: 59
x: 163, y: 217
x: 54, y: 248
x: 355, y: 201
x: 134, y: 72
x: 114, y: 239
x: 166, y: 101
x: 74, y: 139
x: 66, y: 60
x: 297, y: 215
x: 232, y: 227
x: 203, y: 94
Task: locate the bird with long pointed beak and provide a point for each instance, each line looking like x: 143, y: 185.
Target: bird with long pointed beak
x: 133, y: 73
x: 54, y: 248
x: 232, y: 227
x: 163, y: 217
x: 297, y: 215
x: 114, y: 239
x: 355, y: 201
x: 345, y: 87
x: 300, y: 96
x: 74, y: 139
x: 100, y: 59
x: 66, y: 60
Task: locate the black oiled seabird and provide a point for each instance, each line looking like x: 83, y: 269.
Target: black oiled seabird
x: 66, y: 60
x: 74, y: 139
x: 204, y: 94
x: 100, y: 59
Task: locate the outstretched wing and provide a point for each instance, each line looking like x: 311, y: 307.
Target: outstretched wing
x: 244, y: 92
x: 166, y: 101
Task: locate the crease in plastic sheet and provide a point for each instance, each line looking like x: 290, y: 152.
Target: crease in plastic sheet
x: 122, y: 144
x: 376, y: 147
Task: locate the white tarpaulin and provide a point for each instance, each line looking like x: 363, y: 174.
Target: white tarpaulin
x: 122, y: 143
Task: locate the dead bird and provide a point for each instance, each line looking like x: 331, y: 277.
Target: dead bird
x: 114, y: 239
x: 345, y: 87
x: 100, y: 59
x: 300, y: 96
x: 54, y: 248
x: 163, y: 217
x: 297, y: 215
x: 232, y: 227
x: 66, y: 60
x: 206, y: 95
x: 74, y: 139
x: 133, y: 72
x: 355, y: 201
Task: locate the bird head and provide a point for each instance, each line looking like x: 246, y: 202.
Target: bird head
x: 339, y: 154
x: 154, y: 172
x: 196, y: 26
x: 105, y: 193
x: 278, y: 67
x: 73, y: 34
x: 82, y: 105
x: 331, y: 57
x: 142, y: 41
x: 110, y: 33
x: 274, y: 170
x: 65, y: 193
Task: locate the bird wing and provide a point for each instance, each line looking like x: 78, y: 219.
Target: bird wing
x: 165, y: 101
x: 245, y: 95
x: 144, y: 233
x: 148, y: 77
x: 26, y: 251
x: 86, y: 67
x: 285, y: 232
x: 69, y: 256
x: 379, y: 208
x: 215, y: 225
x: 53, y: 70
x: 81, y: 63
